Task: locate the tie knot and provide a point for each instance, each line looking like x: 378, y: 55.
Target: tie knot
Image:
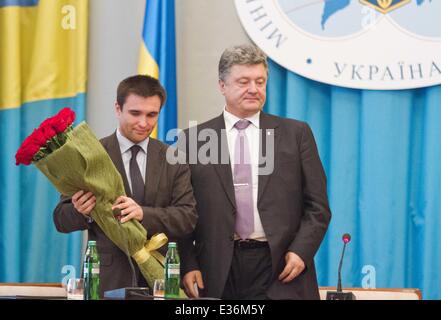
x: 135, y: 149
x: 242, y: 124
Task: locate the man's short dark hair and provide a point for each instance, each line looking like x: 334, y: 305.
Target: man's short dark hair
x: 140, y: 85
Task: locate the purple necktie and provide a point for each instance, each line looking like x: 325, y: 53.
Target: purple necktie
x: 243, y: 187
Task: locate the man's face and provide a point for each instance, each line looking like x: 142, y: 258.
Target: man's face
x: 138, y: 117
x: 245, y: 89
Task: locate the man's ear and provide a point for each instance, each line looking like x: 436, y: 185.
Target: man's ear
x: 222, y: 86
x: 118, y: 109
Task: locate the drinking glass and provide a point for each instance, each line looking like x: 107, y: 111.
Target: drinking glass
x: 75, y: 289
x: 159, y: 289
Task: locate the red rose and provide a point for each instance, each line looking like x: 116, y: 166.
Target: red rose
x: 38, y: 137
x: 21, y: 158
x: 28, y: 141
x: 68, y: 115
x: 48, y: 122
x: 26, y: 152
x: 60, y: 125
x: 48, y: 130
x: 61, y: 120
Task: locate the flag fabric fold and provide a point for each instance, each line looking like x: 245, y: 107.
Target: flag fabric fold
x: 43, y: 68
x: 158, y: 59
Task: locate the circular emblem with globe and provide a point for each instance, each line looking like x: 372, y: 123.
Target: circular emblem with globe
x: 369, y: 44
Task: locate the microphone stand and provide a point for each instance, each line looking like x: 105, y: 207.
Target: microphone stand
x: 339, y: 294
x: 339, y: 269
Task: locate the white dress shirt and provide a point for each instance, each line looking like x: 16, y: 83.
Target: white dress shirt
x: 252, y: 133
x: 126, y: 154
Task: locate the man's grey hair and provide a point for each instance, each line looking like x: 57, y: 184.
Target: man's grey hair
x: 245, y: 54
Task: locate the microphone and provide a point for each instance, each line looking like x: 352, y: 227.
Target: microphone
x: 346, y: 239
x: 339, y: 294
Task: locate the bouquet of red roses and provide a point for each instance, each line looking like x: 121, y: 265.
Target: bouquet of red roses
x: 48, y: 137
x: 73, y: 159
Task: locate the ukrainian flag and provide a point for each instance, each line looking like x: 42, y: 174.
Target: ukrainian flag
x: 158, y: 58
x: 43, y: 68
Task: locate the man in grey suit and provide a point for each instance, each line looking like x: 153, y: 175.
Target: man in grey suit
x: 259, y: 224
x: 159, y: 194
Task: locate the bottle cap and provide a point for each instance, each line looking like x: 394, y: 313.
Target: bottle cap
x: 91, y: 243
x: 172, y: 244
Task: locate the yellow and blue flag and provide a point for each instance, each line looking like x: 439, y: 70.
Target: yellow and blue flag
x: 43, y: 68
x: 158, y: 58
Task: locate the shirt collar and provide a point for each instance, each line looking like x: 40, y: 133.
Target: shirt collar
x: 231, y: 119
x: 125, y: 144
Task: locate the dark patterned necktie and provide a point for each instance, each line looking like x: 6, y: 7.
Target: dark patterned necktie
x: 136, y: 177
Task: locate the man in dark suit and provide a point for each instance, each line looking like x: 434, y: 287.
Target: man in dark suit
x: 259, y: 224
x: 159, y: 194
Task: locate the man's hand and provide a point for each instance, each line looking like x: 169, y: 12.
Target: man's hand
x: 129, y: 209
x: 294, y: 267
x: 190, y: 279
x: 84, y: 202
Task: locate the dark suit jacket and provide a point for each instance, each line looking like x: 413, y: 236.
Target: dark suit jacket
x: 169, y: 208
x: 292, y: 203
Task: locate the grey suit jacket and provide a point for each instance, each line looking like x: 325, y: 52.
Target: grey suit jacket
x: 169, y: 207
x: 292, y: 203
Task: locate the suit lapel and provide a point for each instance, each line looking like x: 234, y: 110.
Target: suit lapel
x: 268, y: 126
x: 115, y: 154
x: 223, y: 170
x: 155, y: 163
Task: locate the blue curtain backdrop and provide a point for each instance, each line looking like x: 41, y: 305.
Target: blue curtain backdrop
x: 382, y: 155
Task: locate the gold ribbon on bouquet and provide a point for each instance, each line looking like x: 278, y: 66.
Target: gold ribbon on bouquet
x: 150, y: 249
